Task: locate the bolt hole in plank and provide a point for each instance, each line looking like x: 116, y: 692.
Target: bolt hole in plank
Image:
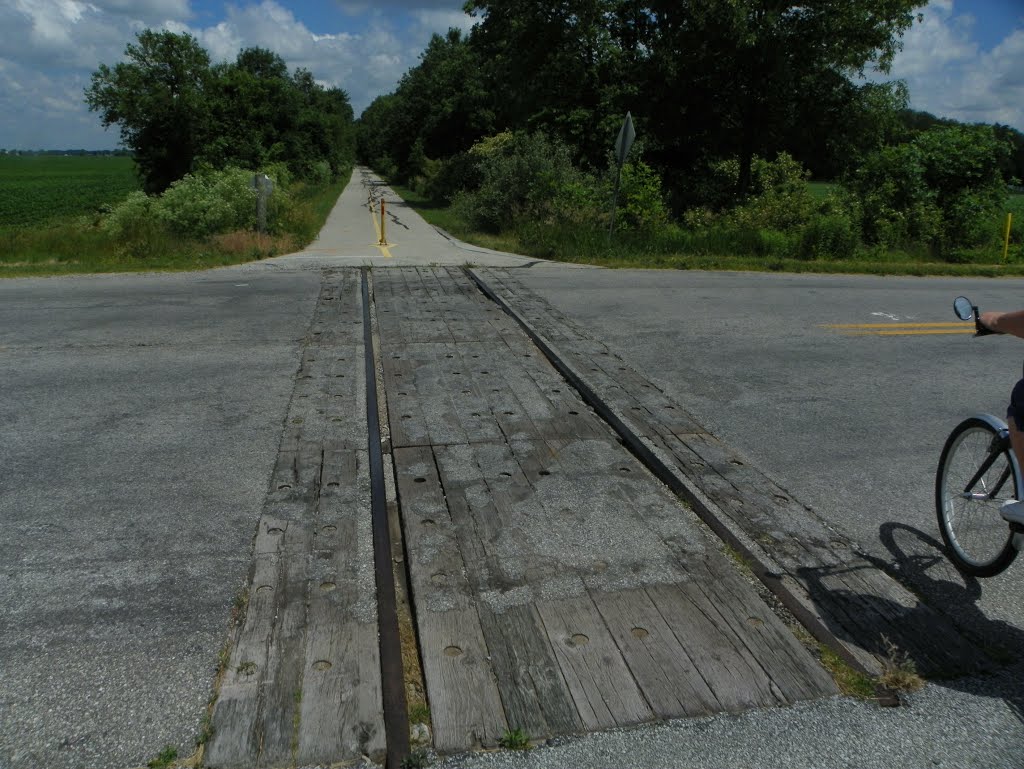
x: 264, y: 589
x: 321, y: 665
x: 452, y: 651
x: 284, y: 486
x: 329, y: 529
x: 420, y: 480
x: 639, y: 632
x: 327, y: 586
x: 577, y: 639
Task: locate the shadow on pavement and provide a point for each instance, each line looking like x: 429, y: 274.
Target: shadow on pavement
x: 919, y: 561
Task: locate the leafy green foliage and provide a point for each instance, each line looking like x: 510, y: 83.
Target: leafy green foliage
x: 177, y: 113
x: 159, y: 99
x: 35, y: 190
x: 522, y: 178
x: 944, y: 189
x: 515, y: 739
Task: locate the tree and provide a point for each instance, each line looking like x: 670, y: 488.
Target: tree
x: 731, y: 75
x: 159, y: 98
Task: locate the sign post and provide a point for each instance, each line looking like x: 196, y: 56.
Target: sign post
x: 263, y: 185
x: 622, y: 146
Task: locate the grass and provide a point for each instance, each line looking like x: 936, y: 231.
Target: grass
x: 514, y: 739
x: 851, y: 682
x: 164, y: 758
x: 76, y: 244
x: 676, y: 248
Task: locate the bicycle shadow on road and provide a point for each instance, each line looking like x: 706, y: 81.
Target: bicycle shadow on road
x: 991, y: 668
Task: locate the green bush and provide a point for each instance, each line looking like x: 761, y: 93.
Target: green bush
x: 522, y: 178
x: 641, y: 201
x: 459, y: 173
x: 780, y: 197
x: 830, y: 235
x: 943, y: 190
x: 203, y: 204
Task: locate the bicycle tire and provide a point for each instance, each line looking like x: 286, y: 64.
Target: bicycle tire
x: 978, y: 540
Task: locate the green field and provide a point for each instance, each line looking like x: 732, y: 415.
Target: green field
x: 38, y: 189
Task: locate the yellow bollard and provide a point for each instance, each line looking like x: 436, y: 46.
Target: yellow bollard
x: 383, y: 238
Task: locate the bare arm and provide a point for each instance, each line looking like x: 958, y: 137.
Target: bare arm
x: 1005, y: 322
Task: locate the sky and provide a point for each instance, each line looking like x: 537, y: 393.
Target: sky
x: 965, y: 60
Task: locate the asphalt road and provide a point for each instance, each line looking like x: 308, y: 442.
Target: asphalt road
x: 140, y: 416
x: 851, y: 424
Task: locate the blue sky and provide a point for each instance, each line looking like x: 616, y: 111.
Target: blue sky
x: 965, y: 60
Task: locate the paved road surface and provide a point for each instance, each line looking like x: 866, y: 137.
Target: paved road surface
x: 141, y: 417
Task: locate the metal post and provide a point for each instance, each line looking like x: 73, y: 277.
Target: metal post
x: 1006, y: 238
x: 615, y: 202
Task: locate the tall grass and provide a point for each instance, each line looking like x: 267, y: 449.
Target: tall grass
x: 80, y: 245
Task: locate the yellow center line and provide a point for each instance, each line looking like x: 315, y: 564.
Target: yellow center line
x: 899, y: 329
x: 910, y: 332
x: 898, y: 325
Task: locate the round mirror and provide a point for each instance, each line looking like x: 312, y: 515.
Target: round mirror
x: 963, y: 308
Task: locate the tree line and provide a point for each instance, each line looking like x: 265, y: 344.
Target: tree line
x: 178, y: 112
x: 736, y: 103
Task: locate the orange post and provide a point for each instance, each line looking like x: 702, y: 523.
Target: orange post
x: 383, y: 238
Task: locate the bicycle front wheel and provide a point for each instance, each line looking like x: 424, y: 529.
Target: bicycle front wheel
x: 976, y: 475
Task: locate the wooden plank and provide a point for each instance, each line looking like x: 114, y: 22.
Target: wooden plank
x: 736, y: 680
x: 341, y: 716
x: 286, y: 654
x: 598, y: 678
x: 662, y: 667
x: 465, y: 705
x: 236, y: 739
x: 533, y: 691
x: 786, y: 662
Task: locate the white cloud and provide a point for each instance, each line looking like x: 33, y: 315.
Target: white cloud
x: 950, y: 76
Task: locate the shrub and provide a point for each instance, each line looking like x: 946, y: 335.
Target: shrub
x: 942, y: 189
x: 204, y: 204
x: 641, y: 202
x: 459, y: 173
x: 829, y: 235
x: 522, y: 177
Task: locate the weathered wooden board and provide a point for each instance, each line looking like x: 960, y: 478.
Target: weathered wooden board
x: 856, y: 599
x: 549, y: 569
x: 303, y: 680
x: 601, y: 684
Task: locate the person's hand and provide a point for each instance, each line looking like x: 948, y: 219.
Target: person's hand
x: 990, y: 320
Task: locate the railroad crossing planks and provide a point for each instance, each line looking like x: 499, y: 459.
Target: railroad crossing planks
x: 858, y: 603
x: 558, y: 586
x: 303, y: 683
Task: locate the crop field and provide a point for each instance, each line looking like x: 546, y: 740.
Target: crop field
x: 38, y: 189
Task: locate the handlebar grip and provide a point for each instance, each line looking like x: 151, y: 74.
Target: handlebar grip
x: 979, y: 329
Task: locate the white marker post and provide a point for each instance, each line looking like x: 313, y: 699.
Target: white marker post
x: 263, y: 185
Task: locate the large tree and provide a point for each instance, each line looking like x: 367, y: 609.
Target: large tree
x: 736, y: 74
x: 177, y: 112
x: 159, y: 98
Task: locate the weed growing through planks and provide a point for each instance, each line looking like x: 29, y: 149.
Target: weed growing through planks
x: 898, y: 671
x: 419, y: 713
x: 418, y: 758
x: 851, y: 682
x: 515, y: 739
x: 164, y: 758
